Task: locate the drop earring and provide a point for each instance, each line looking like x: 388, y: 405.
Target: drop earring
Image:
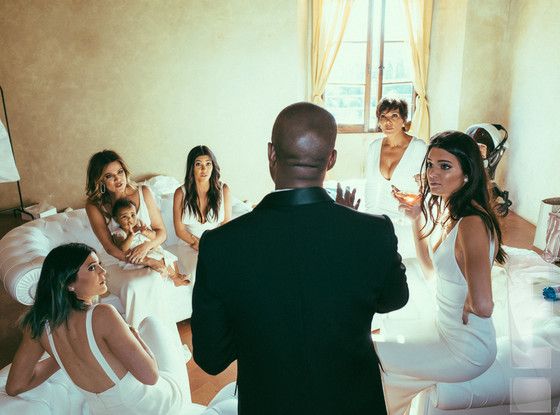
x: 102, y: 188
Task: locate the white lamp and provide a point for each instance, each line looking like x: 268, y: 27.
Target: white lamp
x: 8, y: 169
x: 547, y: 206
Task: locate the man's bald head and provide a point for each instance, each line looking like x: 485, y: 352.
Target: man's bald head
x: 303, y: 139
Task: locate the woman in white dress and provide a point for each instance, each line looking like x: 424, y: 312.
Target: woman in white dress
x: 393, y: 160
x: 118, y: 369
x: 203, y: 202
x: 140, y: 291
x: 454, y: 201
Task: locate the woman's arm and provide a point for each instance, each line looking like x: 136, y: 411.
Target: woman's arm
x: 227, y: 203
x: 125, y: 343
x: 27, y: 372
x: 178, y: 224
x: 137, y: 254
x: 422, y: 248
x: 473, y: 247
x: 101, y: 231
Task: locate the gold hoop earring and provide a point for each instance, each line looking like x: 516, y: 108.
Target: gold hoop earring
x: 102, y: 188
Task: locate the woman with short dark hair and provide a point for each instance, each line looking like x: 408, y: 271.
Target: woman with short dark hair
x: 393, y: 160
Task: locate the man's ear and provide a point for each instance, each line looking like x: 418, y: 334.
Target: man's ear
x: 272, y: 161
x: 332, y: 160
x: 271, y: 153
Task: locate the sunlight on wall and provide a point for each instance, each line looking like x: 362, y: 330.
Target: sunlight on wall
x: 149, y: 82
x: 534, y: 161
x: 496, y: 61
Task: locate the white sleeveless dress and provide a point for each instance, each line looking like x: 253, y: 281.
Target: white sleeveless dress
x: 142, y: 291
x: 187, y: 256
x: 157, y: 253
x: 377, y: 190
x: 457, y: 353
x: 128, y: 396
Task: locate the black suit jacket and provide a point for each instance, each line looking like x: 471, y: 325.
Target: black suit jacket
x: 289, y: 290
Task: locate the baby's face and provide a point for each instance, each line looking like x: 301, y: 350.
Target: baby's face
x: 127, y: 217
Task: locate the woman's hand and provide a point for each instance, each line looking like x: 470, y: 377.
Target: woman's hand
x: 136, y: 255
x: 467, y: 309
x: 411, y: 211
x: 194, y: 244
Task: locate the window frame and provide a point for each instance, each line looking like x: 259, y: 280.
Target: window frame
x: 365, y: 127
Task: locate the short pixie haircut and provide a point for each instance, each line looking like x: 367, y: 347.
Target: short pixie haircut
x: 390, y: 104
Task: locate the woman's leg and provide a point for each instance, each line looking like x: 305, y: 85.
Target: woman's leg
x: 142, y: 293
x: 163, y: 340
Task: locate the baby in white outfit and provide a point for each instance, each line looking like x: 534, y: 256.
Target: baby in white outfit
x: 133, y: 232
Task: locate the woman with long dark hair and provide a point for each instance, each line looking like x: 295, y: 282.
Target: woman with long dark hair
x: 465, y: 241
x: 108, y: 361
x: 201, y: 203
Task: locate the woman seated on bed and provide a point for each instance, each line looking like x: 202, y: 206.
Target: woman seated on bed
x: 108, y: 179
x: 202, y: 203
x: 393, y: 160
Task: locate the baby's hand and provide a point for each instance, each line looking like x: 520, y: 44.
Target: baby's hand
x: 129, y: 229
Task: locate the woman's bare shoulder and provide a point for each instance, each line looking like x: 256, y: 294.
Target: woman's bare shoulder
x: 106, y: 318
x: 472, y: 228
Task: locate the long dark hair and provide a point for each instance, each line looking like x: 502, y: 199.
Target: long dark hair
x: 214, y: 195
x: 96, y: 164
x: 53, y: 300
x: 472, y: 198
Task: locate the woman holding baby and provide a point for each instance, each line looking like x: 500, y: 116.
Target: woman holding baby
x: 140, y: 290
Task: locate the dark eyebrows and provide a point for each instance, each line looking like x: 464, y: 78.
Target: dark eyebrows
x: 91, y: 263
x: 440, y: 161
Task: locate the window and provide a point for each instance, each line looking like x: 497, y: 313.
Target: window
x: 373, y: 61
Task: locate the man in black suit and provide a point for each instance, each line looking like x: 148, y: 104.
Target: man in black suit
x: 290, y: 289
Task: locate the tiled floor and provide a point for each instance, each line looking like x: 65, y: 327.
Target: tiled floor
x: 517, y: 232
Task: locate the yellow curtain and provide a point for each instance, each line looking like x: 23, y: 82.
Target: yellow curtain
x: 328, y: 25
x: 419, y: 22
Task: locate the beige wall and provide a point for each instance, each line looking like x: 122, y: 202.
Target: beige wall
x: 150, y: 80
x: 534, y: 157
x: 496, y: 61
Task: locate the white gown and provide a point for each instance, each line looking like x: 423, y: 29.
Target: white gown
x: 187, y: 256
x: 157, y: 253
x: 378, y: 198
x: 142, y: 291
x: 456, y: 352
x: 128, y: 396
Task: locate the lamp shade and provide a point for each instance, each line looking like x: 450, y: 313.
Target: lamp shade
x: 8, y: 169
x: 547, y: 206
